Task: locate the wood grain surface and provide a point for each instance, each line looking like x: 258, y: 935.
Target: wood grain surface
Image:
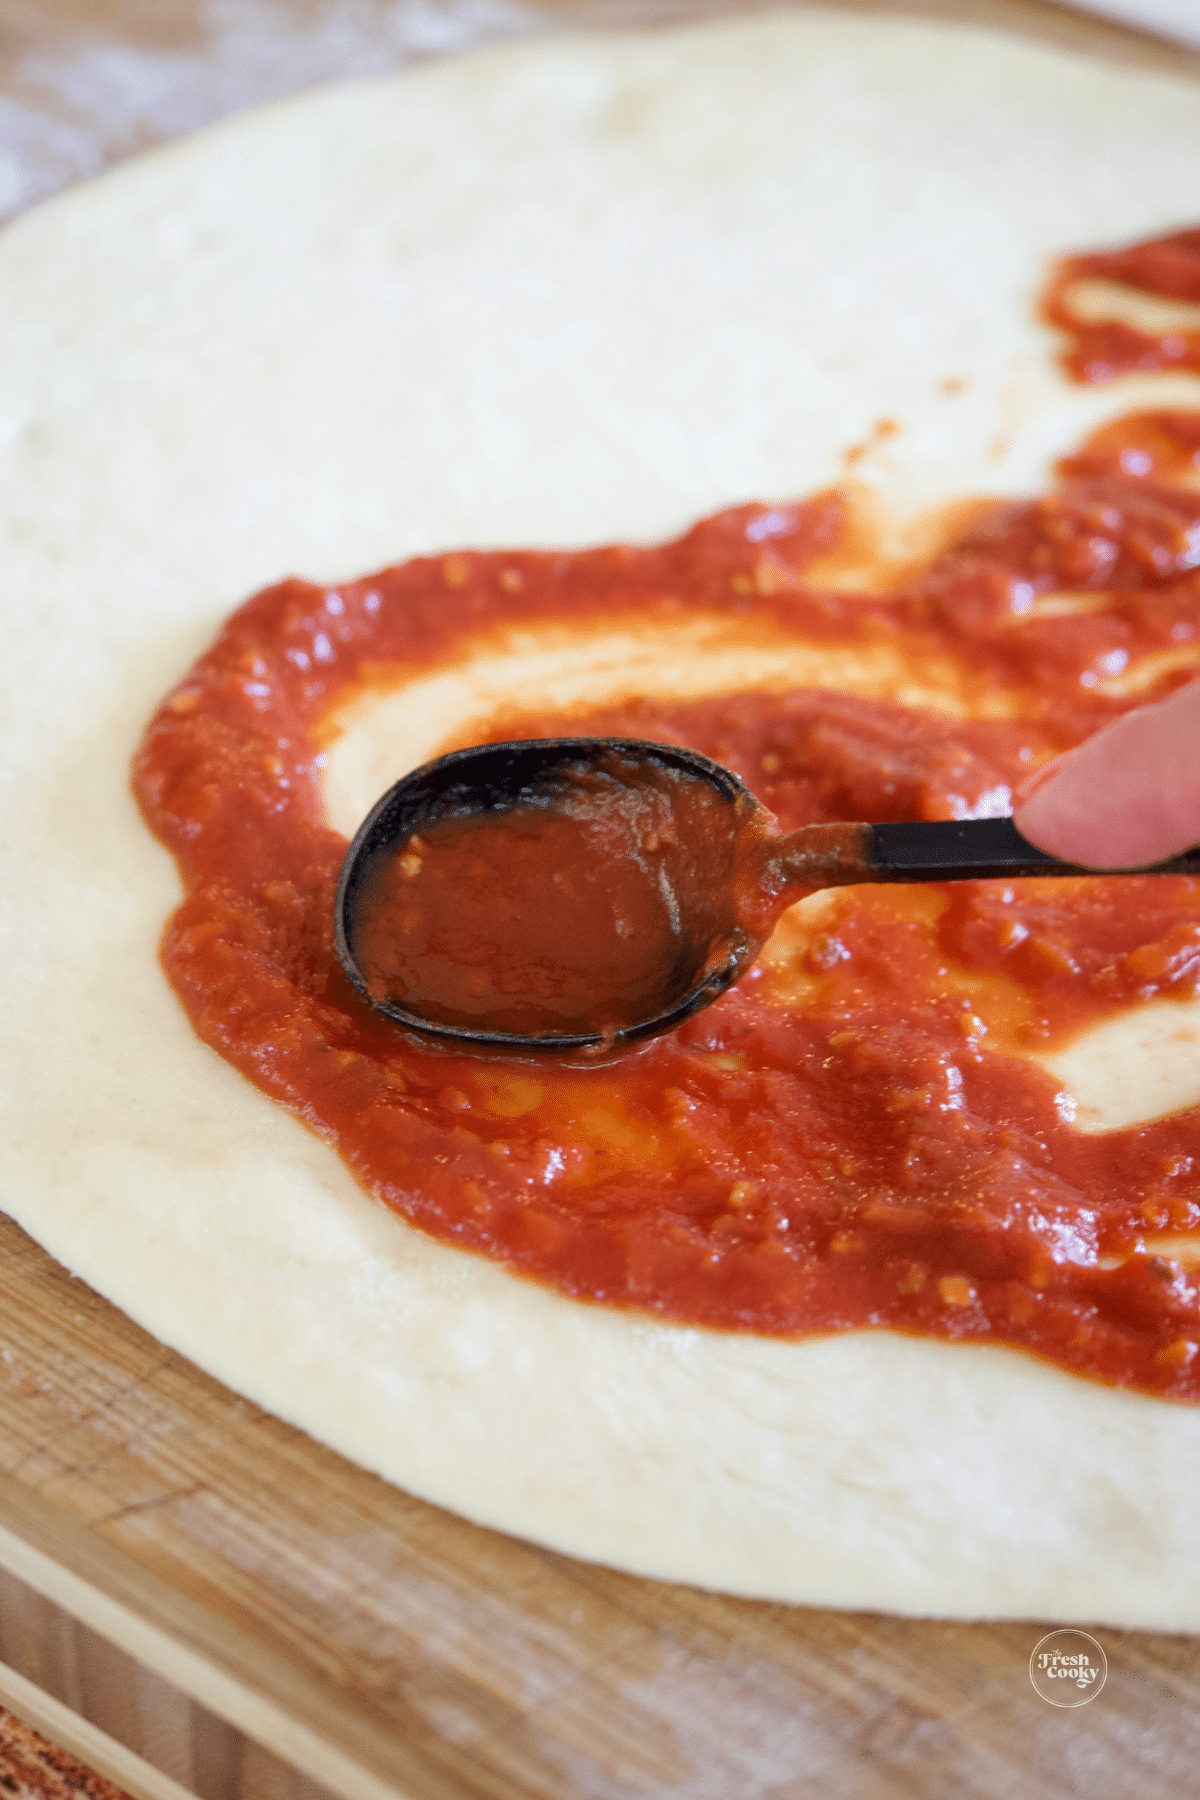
x: 372, y: 1643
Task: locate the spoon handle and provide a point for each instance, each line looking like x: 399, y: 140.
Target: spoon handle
x: 981, y: 850
x: 930, y: 850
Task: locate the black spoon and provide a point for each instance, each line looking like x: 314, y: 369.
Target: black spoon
x: 626, y: 831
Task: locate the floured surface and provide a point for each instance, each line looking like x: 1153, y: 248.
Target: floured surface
x: 272, y: 349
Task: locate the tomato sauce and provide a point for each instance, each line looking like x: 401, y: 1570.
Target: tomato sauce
x: 594, y: 907
x: 855, y: 1135
x: 1103, y: 347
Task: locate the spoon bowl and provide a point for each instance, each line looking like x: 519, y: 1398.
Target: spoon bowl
x: 542, y: 779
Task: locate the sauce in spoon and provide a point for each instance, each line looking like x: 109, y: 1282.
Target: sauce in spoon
x: 595, y: 896
x: 578, y: 914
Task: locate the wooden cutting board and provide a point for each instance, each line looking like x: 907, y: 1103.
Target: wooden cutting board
x: 199, y: 1586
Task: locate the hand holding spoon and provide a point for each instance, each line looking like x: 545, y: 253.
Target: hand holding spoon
x: 581, y: 893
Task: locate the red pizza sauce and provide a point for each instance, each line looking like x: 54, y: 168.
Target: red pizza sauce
x: 853, y: 1136
x: 1106, y: 345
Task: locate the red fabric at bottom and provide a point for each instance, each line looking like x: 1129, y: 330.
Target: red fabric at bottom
x: 32, y: 1769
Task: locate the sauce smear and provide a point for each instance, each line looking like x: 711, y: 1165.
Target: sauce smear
x: 856, y: 1134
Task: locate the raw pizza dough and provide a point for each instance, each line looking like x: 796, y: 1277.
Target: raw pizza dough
x: 583, y: 289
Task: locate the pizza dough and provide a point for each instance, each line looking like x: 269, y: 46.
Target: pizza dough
x: 577, y: 290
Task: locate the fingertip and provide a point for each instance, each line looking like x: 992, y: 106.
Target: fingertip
x: 1126, y: 797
